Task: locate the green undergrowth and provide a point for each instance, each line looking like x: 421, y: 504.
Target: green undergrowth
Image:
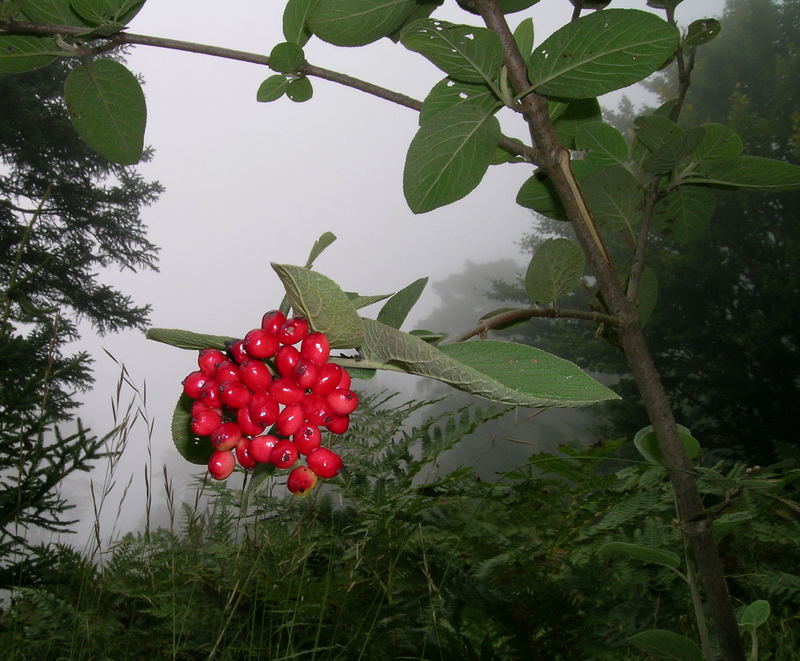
x: 397, y: 560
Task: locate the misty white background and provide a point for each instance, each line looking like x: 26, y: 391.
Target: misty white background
x: 250, y: 183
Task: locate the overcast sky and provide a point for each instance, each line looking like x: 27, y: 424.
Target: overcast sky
x: 250, y: 183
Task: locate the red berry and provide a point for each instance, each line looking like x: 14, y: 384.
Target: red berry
x: 329, y: 377
x: 272, y: 321
x: 208, y: 359
x: 317, y: 409
x: 226, y: 436
x: 209, y: 394
x: 226, y: 371
x: 301, y: 480
x: 259, y: 343
x: 324, y: 462
x: 293, y: 331
x: 260, y: 448
x: 198, y: 406
x: 221, y: 465
x: 316, y: 348
x: 263, y: 410
x: 284, y: 454
x: 234, y: 394
x: 286, y: 359
x: 246, y: 423
x: 206, y: 421
x: 289, y: 420
x: 345, y: 382
x: 243, y: 454
x: 305, y: 374
x: 286, y: 392
x: 339, y: 424
x: 307, y: 439
x: 237, y: 352
x: 342, y: 401
x: 255, y: 375
x: 194, y: 382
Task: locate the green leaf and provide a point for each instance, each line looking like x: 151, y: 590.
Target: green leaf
x: 22, y: 52
x: 666, y: 645
x: 555, y: 269
x: 272, y: 89
x: 642, y: 553
x: 503, y: 372
x: 422, y: 9
x: 300, y: 90
x: 646, y: 442
x: 502, y: 155
x: 449, y: 93
x: 465, y: 53
x: 683, y: 214
x: 511, y: 6
x: 183, y: 339
x: 647, y: 294
x: 102, y: 12
x: 614, y: 196
x: 320, y: 300
x: 702, y: 31
x: 106, y: 105
x: 55, y: 12
x: 675, y: 151
x: 524, y: 37
x: 295, y: 16
x: 396, y: 309
x: 539, y: 194
x: 568, y: 115
x: 601, y: 52
x: 286, y: 57
x: 719, y: 143
x: 325, y: 240
x: 448, y: 157
x: 194, y: 449
x: 602, y: 143
x: 654, y: 131
x: 756, y: 614
x: 431, y: 337
x: 727, y: 523
x: 359, y: 302
x: 357, y: 22
x: 752, y: 172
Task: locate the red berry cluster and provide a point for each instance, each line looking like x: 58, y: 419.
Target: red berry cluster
x: 265, y: 380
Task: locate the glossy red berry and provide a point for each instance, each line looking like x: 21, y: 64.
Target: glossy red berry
x: 286, y: 392
x: 289, y: 420
x: 259, y: 343
x: 305, y: 374
x: 316, y: 409
x: 209, y: 394
x: 301, y: 480
x: 316, y: 348
x: 236, y: 349
x: 246, y: 423
x: 243, y: 454
x: 255, y: 375
x: 194, y: 382
x: 324, y: 462
x: 307, y: 438
x: 293, y: 331
x: 205, y: 421
x: 284, y: 454
x: 263, y: 410
x: 286, y: 359
x: 208, y: 359
x: 339, y: 424
x: 227, y: 370
x: 272, y: 321
x: 198, y: 406
x: 221, y: 465
x: 260, y: 448
x: 234, y: 394
x: 226, y: 436
x: 345, y: 381
x: 328, y: 379
x: 342, y: 401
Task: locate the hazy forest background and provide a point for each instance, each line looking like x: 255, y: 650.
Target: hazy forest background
x: 442, y: 538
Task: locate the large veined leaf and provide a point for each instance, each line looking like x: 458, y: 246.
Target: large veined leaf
x: 647, y: 444
x: 601, y: 52
x: 684, y: 213
x: 755, y: 615
x: 106, y: 105
x: 194, y: 449
x: 614, y: 196
x: 555, y: 269
x: 22, y: 52
x: 396, y: 309
x: 503, y: 372
x: 449, y: 156
x: 320, y: 300
x: 99, y: 12
x: 183, y: 339
x: 295, y: 16
x: 673, y: 152
x: 357, y: 22
x: 719, y: 143
x: 602, y: 143
x: 666, y: 645
x: 752, y: 172
x: 654, y: 131
x: 56, y: 12
x: 465, y: 53
x: 568, y: 115
x: 539, y: 194
x: 449, y: 93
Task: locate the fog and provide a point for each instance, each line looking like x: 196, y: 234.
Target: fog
x: 248, y: 184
